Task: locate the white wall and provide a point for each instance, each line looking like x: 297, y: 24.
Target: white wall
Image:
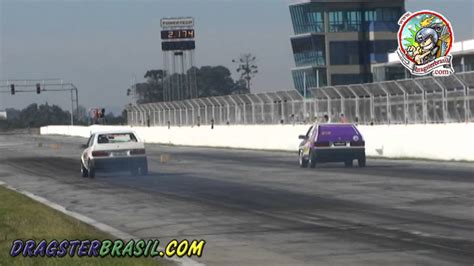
x: 76, y: 131
x: 431, y: 141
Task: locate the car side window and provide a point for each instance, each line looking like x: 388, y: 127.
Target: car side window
x: 308, y: 134
x: 315, y: 132
x: 133, y: 138
x: 90, y: 141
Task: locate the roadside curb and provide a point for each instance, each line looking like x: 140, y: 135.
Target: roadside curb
x: 96, y: 224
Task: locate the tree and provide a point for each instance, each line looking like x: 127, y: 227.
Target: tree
x: 82, y: 114
x: 111, y: 119
x: 155, y: 75
x: 210, y: 80
x: 214, y: 81
x: 151, y: 90
x: 36, y: 116
x: 246, y: 67
x: 12, y: 113
x: 240, y: 87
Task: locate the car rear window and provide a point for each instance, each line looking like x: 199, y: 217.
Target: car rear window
x: 116, y: 138
x: 337, y: 132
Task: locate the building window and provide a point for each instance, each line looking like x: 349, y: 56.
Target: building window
x: 311, y: 80
x: 379, y: 50
x: 384, y: 73
x: 306, y: 18
x: 369, y: 15
x: 388, y: 14
x: 468, y: 62
x: 383, y: 14
x: 394, y: 73
x: 345, y: 79
x: 345, y: 53
x: 309, y: 50
x: 343, y: 21
x: 382, y: 19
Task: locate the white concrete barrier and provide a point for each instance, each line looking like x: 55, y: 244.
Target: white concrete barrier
x: 431, y: 141
x: 76, y: 131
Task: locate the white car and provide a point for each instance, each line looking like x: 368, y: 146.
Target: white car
x: 114, y: 151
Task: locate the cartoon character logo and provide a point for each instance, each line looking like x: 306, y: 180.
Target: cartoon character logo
x: 425, y: 39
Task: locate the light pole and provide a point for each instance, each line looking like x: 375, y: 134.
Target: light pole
x: 317, y: 77
x: 247, y: 67
x: 304, y: 95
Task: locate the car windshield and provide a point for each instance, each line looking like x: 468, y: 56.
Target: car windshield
x: 336, y: 132
x: 116, y: 138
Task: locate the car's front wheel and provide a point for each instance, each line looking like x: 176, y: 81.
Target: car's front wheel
x: 312, y: 159
x: 84, y: 171
x: 91, y: 170
x: 348, y: 163
x: 301, y: 160
x: 361, y: 161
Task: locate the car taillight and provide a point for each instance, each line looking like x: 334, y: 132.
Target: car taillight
x: 322, y: 144
x: 100, y: 153
x: 137, y: 151
x: 357, y: 143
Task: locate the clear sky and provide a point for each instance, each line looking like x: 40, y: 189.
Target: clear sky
x: 100, y: 45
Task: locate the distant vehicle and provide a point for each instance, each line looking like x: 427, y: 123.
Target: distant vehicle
x: 114, y: 151
x: 332, y: 143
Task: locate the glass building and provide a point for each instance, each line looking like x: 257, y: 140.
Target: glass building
x: 336, y: 41
x: 463, y: 61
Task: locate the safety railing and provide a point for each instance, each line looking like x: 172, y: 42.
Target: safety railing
x: 420, y: 100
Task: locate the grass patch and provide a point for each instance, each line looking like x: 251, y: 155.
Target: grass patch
x: 24, y: 218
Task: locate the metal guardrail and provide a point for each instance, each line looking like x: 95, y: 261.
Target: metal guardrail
x: 420, y: 100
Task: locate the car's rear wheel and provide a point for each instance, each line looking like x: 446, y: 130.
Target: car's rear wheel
x: 348, y: 163
x: 139, y: 169
x: 144, y: 169
x: 84, y: 171
x: 301, y: 160
x: 312, y: 159
x: 361, y: 161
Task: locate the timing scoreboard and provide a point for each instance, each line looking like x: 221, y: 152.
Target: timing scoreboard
x: 178, y: 46
x: 177, y: 34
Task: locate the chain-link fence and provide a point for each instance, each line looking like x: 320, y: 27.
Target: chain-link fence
x: 420, y: 100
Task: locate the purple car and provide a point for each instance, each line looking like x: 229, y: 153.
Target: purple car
x: 332, y: 143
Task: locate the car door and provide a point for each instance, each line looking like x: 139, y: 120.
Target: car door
x: 306, y: 143
x: 85, y: 153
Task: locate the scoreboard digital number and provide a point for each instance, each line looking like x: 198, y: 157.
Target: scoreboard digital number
x: 177, y: 34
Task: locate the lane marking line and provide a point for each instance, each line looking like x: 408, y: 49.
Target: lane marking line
x: 96, y: 224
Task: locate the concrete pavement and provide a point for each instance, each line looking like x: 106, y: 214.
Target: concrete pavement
x: 260, y: 208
